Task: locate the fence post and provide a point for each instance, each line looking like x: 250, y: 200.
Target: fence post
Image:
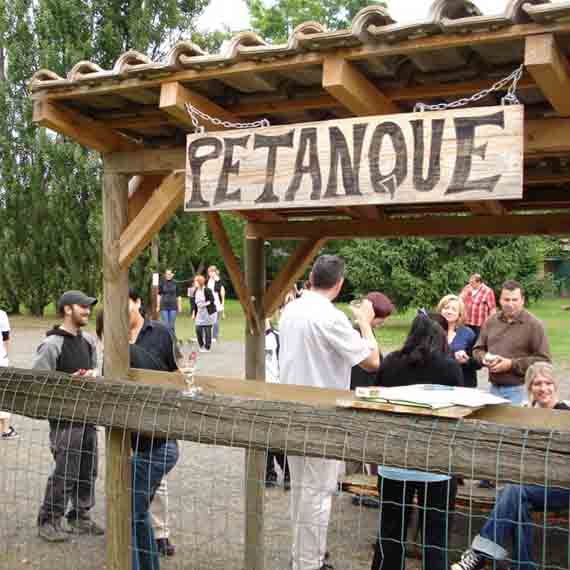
x: 116, y: 365
x: 255, y: 370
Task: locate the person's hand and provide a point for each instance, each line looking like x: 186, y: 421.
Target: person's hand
x: 489, y: 359
x: 364, y: 312
x: 501, y: 365
x: 462, y: 357
x: 85, y: 373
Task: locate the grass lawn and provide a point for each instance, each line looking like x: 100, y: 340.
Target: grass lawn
x: 390, y: 336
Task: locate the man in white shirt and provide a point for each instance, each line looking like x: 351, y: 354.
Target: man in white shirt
x: 319, y: 346
x: 6, y: 430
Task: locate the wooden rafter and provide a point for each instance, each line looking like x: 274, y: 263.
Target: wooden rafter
x: 140, y: 191
x: 289, y: 273
x: 155, y: 213
x: 353, y: 89
x: 231, y: 263
x: 173, y: 98
x: 84, y: 130
x: 487, y: 207
x: 433, y: 226
x: 550, y: 69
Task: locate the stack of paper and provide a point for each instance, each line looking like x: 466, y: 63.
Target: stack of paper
x: 434, y: 396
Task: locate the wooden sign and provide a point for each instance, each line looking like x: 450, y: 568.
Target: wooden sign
x: 459, y: 155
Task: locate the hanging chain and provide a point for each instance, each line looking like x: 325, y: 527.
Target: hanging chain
x: 510, y: 97
x: 196, y: 114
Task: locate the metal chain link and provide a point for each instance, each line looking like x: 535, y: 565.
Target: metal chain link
x: 510, y: 97
x: 196, y: 114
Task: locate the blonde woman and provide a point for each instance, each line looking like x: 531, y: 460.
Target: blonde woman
x: 460, y: 337
x: 511, y: 518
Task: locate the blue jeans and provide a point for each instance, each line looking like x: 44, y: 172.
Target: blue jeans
x: 511, y: 519
x: 149, y: 467
x: 168, y: 316
x: 515, y: 394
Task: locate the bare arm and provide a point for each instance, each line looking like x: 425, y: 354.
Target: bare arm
x: 365, y: 315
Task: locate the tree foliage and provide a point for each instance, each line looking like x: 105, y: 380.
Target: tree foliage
x: 418, y: 272
x: 275, y: 21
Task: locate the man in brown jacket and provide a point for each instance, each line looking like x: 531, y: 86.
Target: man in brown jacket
x: 510, y: 341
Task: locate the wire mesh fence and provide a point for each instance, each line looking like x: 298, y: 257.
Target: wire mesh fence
x: 207, y: 488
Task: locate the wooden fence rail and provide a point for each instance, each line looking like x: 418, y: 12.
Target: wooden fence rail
x: 472, y: 448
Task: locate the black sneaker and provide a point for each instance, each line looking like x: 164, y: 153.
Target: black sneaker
x: 84, y: 525
x: 165, y: 547
x: 10, y: 434
x: 470, y: 560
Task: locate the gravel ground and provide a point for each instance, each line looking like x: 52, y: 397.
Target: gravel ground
x: 205, y: 494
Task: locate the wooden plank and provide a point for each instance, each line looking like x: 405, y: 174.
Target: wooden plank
x: 544, y: 137
x: 170, y: 380
x: 272, y: 105
x: 80, y: 128
x: 474, y: 154
x: 231, y: 263
x: 140, y: 190
x: 116, y: 364
x: 155, y: 213
x: 314, y: 430
x: 173, y: 98
x: 452, y: 412
x: 488, y: 207
x: 255, y: 372
x: 290, y: 273
x: 353, y: 89
x: 433, y: 226
x: 550, y: 69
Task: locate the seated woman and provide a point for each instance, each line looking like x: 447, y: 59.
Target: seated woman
x: 461, y: 338
x: 511, y: 517
x: 424, y: 359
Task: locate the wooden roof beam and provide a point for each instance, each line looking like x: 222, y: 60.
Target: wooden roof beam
x: 141, y: 189
x: 550, y: 69
x: 433, y: 226
x: 353, y: 89
x: 289, y: 273
x: 487, y: 207
x: 82, y: 129
x: 216, y: 225
x: 156, y: 212
x: 173, y: 99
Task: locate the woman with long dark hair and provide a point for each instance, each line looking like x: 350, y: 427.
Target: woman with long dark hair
x: 424, y: 359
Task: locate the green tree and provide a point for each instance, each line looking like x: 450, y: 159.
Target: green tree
x: 418, y: 271
x: 276, y: 21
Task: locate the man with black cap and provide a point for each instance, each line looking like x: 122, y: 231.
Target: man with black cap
x: 73, y: 444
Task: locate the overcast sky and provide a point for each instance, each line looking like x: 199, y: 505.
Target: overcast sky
x: 233, y: 14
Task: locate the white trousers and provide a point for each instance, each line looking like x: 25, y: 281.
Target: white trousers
x: 313, y: 483
x: 159, y: 512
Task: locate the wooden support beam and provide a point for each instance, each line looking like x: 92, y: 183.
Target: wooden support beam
x: 83, y: 130
x: 487, y: 207
x: 353, y: 89
x: 547, y: 137
x: 155, y: 213
x: 433, y: 226
x: 140, y: 191
x: 118, y: 481
x: 255, y: 464
x: 272, y: 105
x: 549, y: 67
x: 289, y: 273
x: 231, y: 263
x: 173, y: 99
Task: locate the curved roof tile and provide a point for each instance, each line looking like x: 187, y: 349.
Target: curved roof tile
x: 371, y: 24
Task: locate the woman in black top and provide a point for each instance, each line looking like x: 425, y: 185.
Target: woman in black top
x: 424, y: 359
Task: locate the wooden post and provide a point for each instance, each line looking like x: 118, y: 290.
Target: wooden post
x: 255, y: 370
x: 116, y: 365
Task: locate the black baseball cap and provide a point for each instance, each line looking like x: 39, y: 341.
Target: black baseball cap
x: 74, y: 298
